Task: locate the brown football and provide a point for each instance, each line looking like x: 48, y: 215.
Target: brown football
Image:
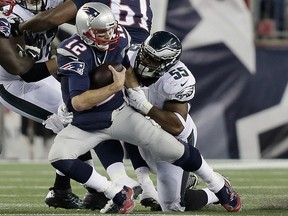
x: 102, y: 76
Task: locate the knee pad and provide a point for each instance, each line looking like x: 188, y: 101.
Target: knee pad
x: 75, y: 169
x: 191, y: 160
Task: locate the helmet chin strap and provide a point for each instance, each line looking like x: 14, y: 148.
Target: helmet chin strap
x: 102, y: 47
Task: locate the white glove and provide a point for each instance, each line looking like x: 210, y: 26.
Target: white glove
x: 138, y: 100
x: 30, y: 51
x: 57, y: 122
x: 53, y: 123
x: 63, y: 114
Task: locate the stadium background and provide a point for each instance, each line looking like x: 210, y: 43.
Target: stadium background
x: 237, y: 50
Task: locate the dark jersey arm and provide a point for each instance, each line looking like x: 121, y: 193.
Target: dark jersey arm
x: 63, y: 13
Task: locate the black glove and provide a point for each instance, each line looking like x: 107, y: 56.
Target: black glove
x: 29, y: 51
x: 14, y: 23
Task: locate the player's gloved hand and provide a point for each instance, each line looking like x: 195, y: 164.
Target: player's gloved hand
x: 138, y: 100
x: 57, y: 122
x: 53, y: 123
x: 34, y: 39
x: 14, y: 24
x: 30, y: 51
x: 63, y: 114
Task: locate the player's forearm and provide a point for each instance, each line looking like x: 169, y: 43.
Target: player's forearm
x: 19, y: 67
x: 92, y: 98
x: 38, y: 23
x: 131, y: 79
x: 52, y: 66
x: 11, y: 61
x: 46, y: 20
x: 167, y: 120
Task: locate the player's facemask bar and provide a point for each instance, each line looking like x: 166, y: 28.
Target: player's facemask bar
x: 148, y: 66
x: 104, y: 39
x: 7, y: 6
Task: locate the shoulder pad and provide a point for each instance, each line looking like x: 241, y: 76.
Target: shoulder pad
x: 69, y: 63
x: 178, y: 83
x: 124, y: 35
x: 5, y: 28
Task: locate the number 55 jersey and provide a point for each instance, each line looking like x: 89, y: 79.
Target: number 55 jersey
x: 178, y: 84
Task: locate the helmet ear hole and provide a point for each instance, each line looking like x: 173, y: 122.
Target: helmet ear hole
x: 158, y: 53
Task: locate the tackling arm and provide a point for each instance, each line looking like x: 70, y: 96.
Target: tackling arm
x: 40, y: 71
x: 11, y: 61
x: 167, y: 118
x: 131, y: 79
x: 53, y: 17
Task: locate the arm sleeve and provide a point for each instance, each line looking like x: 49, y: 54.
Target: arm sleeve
x: 38, y: 72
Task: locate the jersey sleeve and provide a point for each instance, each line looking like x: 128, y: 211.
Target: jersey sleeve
x: 73, y: 56
x: 74, y: 69
x: 177, y: 84
x: 79, y: 3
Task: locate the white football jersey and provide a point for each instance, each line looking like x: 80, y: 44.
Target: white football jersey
x: 176, y: 84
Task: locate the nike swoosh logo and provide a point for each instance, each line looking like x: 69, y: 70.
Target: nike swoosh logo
x: 182, y: 84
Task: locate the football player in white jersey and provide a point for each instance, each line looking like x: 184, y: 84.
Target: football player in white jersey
x: 169, y: 86
x: 48, y: 94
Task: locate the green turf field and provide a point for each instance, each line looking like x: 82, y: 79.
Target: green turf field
x: 264, y: 190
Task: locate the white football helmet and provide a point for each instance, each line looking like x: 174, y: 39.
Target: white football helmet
x: 97, y: 26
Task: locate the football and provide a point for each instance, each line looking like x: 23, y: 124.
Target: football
x: 102, y: 76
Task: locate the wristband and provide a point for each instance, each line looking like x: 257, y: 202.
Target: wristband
x: 146, y: 107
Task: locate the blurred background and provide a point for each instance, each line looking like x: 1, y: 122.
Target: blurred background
x: 238, y: 52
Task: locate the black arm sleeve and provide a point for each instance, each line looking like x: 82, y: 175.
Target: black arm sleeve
x: 38, y: 72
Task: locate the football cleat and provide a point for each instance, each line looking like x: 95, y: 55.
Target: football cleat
x: 94, y: 200
x: 152, y: 203
x: 192, y: 181
x: 229, y: 198
x: 137, y: 190
x: 63, y: 199
x: 111, y: 207
x: 124, y: 200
